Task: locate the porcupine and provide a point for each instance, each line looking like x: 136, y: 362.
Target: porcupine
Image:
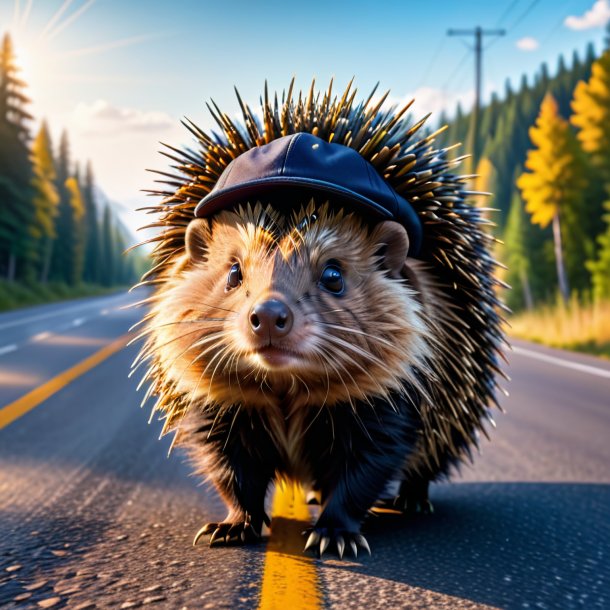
x: 291, y: 334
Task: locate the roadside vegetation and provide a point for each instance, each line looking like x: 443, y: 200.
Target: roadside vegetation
x: 572, y: 326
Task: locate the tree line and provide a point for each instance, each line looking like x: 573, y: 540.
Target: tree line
x: 52, y: 227
x: 546, y: 159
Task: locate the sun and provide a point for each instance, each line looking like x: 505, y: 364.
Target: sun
x: 25, y: 59
x: 41, y: 58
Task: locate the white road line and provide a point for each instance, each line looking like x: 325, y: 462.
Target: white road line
x: 53, y: 314
x: 577, y: 366
x: 41, y: 336
x: 7, y: 349
x: 78, y: 321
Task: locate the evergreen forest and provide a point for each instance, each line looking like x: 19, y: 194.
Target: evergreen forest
x: 545, y: 157
x: 55, y: 236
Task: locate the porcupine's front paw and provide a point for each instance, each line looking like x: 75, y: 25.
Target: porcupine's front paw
x: 414, y: 499
x: 411, y: 499
x: 407, y: 504
x: 321, y: 539
x: 225, y: 533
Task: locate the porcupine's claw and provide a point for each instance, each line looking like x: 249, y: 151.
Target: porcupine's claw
x: 321, y: 539
x: 313, y: 539
x: 206, y: 529
x: 411, y: 505
x: 361, y: 540
x: 227, y: 533
x: 340, y: 546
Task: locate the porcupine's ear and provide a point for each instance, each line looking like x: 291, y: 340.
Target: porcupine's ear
x: 393, y: 246
x: 196, y: 239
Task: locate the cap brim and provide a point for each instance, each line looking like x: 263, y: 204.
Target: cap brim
x: 254, y: 189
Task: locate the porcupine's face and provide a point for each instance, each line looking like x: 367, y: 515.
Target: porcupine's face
x: 262, y: 305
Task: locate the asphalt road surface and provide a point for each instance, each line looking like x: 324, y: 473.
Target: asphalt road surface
x: 94, y: 514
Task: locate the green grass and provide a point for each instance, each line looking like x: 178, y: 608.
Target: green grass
x: 14, y: 295
x: 572, y: 326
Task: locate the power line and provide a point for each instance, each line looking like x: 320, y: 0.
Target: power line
x: 517, y: 21
x: 507, y: 12
x: 524, y: 14
x: 456, y: 70
x: 432, y: 61
x: 559, y: 23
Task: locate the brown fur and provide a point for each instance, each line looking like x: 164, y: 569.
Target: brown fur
x: 353, y: 347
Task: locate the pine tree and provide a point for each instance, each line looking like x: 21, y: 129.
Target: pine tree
x: 518, y: 255
x: 15, y: 169
x: 108, y: 248
x: 557, y: 178
x: 600, y: 267
x: 501, y: 154
x: 489, y: 120
x: 61, y: 262
x: 455, y: 133
x: 508, y: 91
x: 45, y: 200
x: 92, y: 251
x: 121, y: 274
x: 77, y: 242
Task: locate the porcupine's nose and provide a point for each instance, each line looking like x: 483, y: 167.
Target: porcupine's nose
x: 271, y: 318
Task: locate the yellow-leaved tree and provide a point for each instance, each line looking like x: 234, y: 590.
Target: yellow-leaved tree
x: 591, y: 107
x: 556, y: 178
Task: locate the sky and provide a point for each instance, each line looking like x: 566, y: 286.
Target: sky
x: 120, y: 75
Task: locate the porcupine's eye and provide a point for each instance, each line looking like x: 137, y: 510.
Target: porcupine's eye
x: 332, y: 278
x: 234, y: 279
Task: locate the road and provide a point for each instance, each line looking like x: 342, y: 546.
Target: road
x: 94, y: 514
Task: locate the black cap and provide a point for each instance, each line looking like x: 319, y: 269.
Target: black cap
x: 309, y: 163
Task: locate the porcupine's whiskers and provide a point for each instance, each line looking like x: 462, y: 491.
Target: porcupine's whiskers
x: 332, y: 362
x: 364, y: 355
x: 372, y: 340
x: 150, y: 350
x: 218, y: 335
x: 221, y: 410
x: 146, y: 351
x: 218, y: 340
x: 221, y: 353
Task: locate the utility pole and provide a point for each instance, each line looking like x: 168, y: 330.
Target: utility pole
x: 478, y: 33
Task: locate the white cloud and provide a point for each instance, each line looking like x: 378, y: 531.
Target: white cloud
x: 101, y: 117
x: 527, y: 44
x: 596, y: 17
x: 121, y: 142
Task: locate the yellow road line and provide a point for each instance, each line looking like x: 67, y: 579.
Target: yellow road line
x: 290, y: 580
x: 21, y: 406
